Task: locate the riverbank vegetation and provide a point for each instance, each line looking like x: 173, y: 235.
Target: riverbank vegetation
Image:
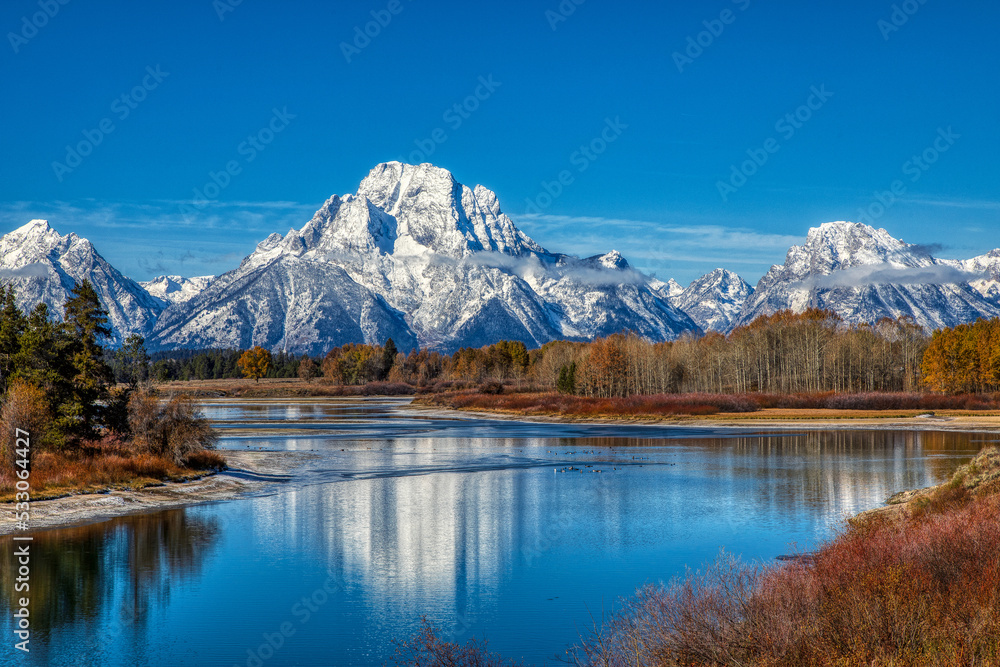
x: 916, y: 584
x: 85, y: 431
x: 813, y: 354
x: 823, y: 404
x: 807, y: 361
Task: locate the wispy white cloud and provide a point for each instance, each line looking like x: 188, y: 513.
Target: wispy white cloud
x: 977, y: 204
x: 887, y: 274
x: 33, y: 270
x: 161, y: 214
x: 529, y: 267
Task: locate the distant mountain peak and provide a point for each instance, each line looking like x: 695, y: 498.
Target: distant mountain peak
x: 846, y: 239
x: 33, y: 227
x: 176, y: 289
x: 611, y: 260
x: 43, y: 266
x: 865, y: 274
x: 714, y: 300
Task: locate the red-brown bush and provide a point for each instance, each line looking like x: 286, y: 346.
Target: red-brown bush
x: 564, y: 404
x: 428, y: 649
x: 24, y: 407
x: 173, y: 428
x: 102, y: 464
x: 920, y: 591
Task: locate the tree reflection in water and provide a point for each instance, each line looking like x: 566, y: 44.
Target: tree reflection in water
x: 103, y: 579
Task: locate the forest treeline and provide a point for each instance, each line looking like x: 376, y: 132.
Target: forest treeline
x: 785, y: 353
x: 212, y: 364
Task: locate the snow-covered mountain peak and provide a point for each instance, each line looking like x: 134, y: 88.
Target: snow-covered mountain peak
x: 43, y: 266
x: 726, y: 281
x: 387, y: 182
x: 404, y: 211
x: 837, y: 245
x: 422, y: 208
x: 33, y: 228
x: 986, y: 272
x: 714, y: 300
x: 270, y: 243
x: 417, y: 256
x: 176, y: 289
x: 612, y: 260
x: 37, y: 240
x: 487, y: 200
x: 865, y: 274
x: 36, y: 232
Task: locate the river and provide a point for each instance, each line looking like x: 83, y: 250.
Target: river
x: 523, y: 533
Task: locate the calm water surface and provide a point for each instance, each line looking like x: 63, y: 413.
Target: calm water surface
x: 474, y: 523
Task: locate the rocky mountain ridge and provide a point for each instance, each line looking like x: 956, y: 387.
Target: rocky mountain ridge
x: 419, y: 257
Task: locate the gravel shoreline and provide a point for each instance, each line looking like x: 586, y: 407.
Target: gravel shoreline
x: 248, y: 472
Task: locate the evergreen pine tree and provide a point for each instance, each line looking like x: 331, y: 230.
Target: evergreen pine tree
x: 12, y: 324
x: 86, y: 326
x: 389, y: 353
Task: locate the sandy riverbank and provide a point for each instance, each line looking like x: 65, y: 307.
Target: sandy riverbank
x: 769, y: 418
x: 248, y: 472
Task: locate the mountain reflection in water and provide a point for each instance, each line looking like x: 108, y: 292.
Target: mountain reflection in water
x: 470, y: 522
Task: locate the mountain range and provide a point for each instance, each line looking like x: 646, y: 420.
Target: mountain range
x: 419, y: 257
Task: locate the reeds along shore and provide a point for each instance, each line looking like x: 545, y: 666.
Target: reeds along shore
x: 533, y: 403
x: 914, y: 584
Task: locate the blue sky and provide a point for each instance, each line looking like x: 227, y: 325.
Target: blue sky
x: 729, y: 127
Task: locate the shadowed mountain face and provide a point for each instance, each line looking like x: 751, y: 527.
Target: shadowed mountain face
x: 416, y: 256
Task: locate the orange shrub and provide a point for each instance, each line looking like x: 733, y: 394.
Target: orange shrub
x: 24, y: 407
